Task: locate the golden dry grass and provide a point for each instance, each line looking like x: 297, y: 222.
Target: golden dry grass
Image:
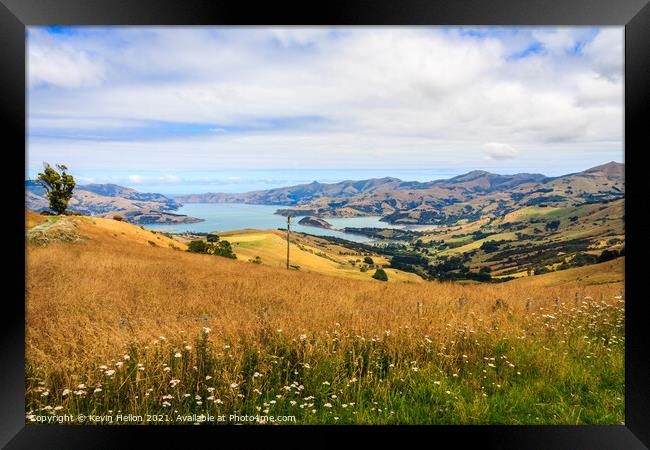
x: 32, y: 219
x: 603, y: 273
x: 309, y: 253
x: 79, y: 293
x: 112, y: 294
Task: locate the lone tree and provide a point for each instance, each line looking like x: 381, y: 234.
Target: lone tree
x: 380, y: 275
x: 59, y: 186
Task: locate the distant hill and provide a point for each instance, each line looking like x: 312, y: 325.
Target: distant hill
x: 312, y: 221
x: 482, y: 181
x: 111, y: 199
x: 114, y: 190
x: 477, y: 180
x: 470, y: 196
x: 299, y: 194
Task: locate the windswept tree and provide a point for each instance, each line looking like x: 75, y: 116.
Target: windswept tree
x: 59, y: 186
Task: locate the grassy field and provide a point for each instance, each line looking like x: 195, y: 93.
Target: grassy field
x: 117, y: 325
x: 526, y: 245
x: 309, y: 253
x: 603, y: 273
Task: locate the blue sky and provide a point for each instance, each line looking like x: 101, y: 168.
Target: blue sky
x: 186, y: 109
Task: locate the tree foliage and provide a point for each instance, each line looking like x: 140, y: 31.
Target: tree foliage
x: 552, y: 225
x: 380, y: 274
x: 607, y: 255
x: 59, y: 186
x: 216, y: 247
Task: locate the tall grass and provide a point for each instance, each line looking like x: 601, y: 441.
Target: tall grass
x: 132, y: 329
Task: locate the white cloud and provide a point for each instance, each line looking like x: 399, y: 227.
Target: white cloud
x: 52, y: 63
x: 299, y: 35
x: 498, y: 151
x: 606, y: 53
x: 320, y: 97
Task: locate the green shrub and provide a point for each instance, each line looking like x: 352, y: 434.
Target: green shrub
x: 541, y: 270
x: 118, y: 217
x: 380, y: 275
x: 553, y: 225
x: 583, y: 259
x: 218, y: 248
x: 198, y: 247
x: 222, y: 248
x: 607, y: 255
x: 491, y: 246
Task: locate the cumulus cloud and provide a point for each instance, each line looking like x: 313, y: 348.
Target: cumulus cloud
x: 499, y: 152
x: 225, y: 97
x: 606, y: 53
x: 52, y: 63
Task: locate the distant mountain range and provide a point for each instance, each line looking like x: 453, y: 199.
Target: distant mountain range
x: 469, y: 196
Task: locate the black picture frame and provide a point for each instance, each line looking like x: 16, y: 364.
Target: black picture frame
x: 15, y: 15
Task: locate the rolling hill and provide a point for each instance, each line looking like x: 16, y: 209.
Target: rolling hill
x: 488, y: 226
x: 507, y: 226
x: 603, y: 273
x: 44, y: 230
x: 308, y: 253
x: 469, y: 197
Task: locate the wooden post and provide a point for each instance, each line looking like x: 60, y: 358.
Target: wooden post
x: 288, y: 231
x: 419, y: 308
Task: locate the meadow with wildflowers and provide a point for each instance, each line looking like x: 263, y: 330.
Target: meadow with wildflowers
x: 117, y: 326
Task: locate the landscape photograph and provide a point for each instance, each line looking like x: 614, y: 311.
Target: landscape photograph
x: 324, y: 225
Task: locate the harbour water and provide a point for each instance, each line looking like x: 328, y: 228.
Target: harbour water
x: 228, y: 216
